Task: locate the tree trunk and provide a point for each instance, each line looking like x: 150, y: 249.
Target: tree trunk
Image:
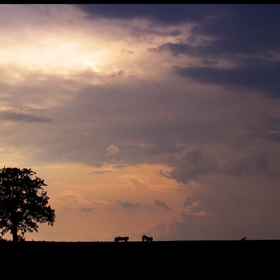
x: 14, y: 228
x: 14, y: 233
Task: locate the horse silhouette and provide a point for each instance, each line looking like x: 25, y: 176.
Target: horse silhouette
x: 147, y: 238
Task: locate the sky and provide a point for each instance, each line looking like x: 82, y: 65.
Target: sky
x: 153, y: 119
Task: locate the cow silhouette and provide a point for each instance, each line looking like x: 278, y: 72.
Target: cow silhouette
x: 121, y: 238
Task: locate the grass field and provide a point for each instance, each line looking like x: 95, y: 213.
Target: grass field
x: 157, y: 257
x: 156, y: 248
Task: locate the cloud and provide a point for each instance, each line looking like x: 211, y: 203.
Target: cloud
x: 175, y: 48
x: 131, y: 207
x: 227, y: 25
x: 248, y: 164
x: 257, y: 75
x: 267, y: 128
x: 97, y: 172
x: 240, y: 30
x: 161, y: 13
x: 192, y: 163
x: 14, y: 116
x: 71, y: 200
x: 162, y: 204
x: 112, y: 150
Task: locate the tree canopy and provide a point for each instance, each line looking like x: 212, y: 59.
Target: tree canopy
x: 23, y: 202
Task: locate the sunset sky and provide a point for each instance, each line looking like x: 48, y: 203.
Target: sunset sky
x: 150, y: 119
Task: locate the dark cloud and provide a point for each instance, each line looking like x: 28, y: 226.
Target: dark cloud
x: 165, y: 14
x: 242, y: 29
x: 22, y: 117
x: 192, y: 163
x: 233, y: 29
x: 266, y: 127
x: 252, y: 163
x: 162, y: 204
x: 259, y: 75
x: 175, y: 48
x: 130, y: 206
x: 245, y: 35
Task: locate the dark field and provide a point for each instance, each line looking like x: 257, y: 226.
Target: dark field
x: 157, y: 249
x: 158, y: 257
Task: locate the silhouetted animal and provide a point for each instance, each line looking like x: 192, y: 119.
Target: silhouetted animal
x: 244, y: 238
x: 121, y: 238
x: 147, y: 238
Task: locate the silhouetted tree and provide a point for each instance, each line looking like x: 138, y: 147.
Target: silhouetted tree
x: 23, y: 202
